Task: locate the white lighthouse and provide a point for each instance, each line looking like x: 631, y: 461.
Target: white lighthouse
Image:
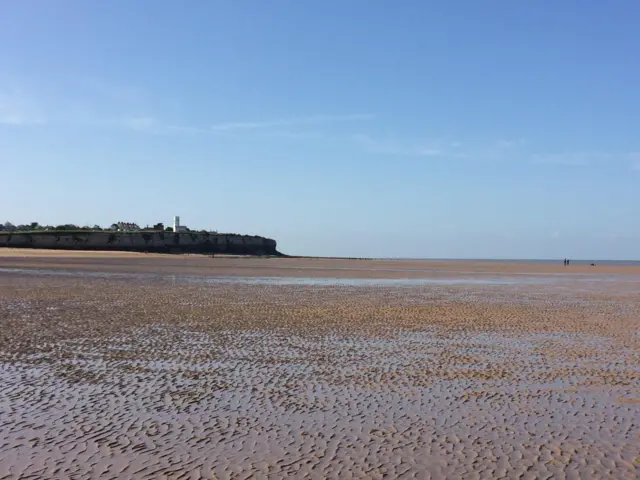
x: 176, y: 225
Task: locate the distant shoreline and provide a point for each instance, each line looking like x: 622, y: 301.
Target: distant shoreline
x: 519, y: 261
x: 440, y: 261
x: 287, y: 266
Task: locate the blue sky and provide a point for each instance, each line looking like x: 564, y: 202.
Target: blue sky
x: 355, y: 128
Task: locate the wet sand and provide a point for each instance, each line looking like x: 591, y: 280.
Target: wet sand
x: 174, y: 375
x: 229, y: 265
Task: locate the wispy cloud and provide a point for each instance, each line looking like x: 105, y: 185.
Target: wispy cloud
x: 502, y: 150
x: 575, y: 159
x: 396, y: 147
x: 508, y: 144
x: 438, y: 148
x: 143, y: 124
x: 124, y: 107
x: 288, y: 122
x: 277, y: 128
x: 150, y: 125
x: 293, y: 135
x: 18, y: 109
x: 583, y: 159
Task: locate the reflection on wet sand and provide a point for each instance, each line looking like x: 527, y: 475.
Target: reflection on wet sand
x: 461, y: 278
x: 152, y: 376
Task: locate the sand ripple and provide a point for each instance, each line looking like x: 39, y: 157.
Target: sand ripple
x: 109, y: 378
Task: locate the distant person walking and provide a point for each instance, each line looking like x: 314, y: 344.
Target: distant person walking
x: 565, y: 262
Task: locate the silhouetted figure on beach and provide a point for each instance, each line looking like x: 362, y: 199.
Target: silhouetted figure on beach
x: 565, y: 262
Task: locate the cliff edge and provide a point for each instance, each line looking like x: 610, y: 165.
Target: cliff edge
x: 158, y: 242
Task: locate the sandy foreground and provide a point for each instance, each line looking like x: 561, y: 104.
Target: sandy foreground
x: 134, y: 366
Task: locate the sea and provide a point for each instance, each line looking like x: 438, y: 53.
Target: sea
x: 611, y: 263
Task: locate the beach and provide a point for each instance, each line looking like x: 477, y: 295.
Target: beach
x: 233, y: 265
x: 125, y: 365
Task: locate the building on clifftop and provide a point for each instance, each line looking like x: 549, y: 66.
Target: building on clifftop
x: 177, y: 227
x: 125, y: 227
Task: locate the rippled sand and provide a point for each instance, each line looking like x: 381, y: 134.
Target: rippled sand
x: 166, y: 377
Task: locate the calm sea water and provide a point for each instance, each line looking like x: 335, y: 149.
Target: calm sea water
x: 613, y: 263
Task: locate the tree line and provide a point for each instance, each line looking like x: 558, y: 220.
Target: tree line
x: 36, y: 227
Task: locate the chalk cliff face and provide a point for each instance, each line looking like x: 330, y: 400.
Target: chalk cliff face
x: 166, y: 242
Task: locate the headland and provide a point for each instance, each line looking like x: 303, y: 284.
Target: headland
x: 141, y: 241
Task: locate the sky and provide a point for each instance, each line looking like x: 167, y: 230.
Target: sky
x: 366, y: 128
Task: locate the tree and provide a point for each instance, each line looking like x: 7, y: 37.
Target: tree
x: 9, y: 227
x: 97, y: 227
x: 159, y: 226
x: 34, y: 226
x: 168, y: 229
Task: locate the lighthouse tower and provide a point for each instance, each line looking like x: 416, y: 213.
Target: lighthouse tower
x: 176, y: 223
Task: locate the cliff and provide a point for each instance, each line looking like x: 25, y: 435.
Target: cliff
x: 161, y: 242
